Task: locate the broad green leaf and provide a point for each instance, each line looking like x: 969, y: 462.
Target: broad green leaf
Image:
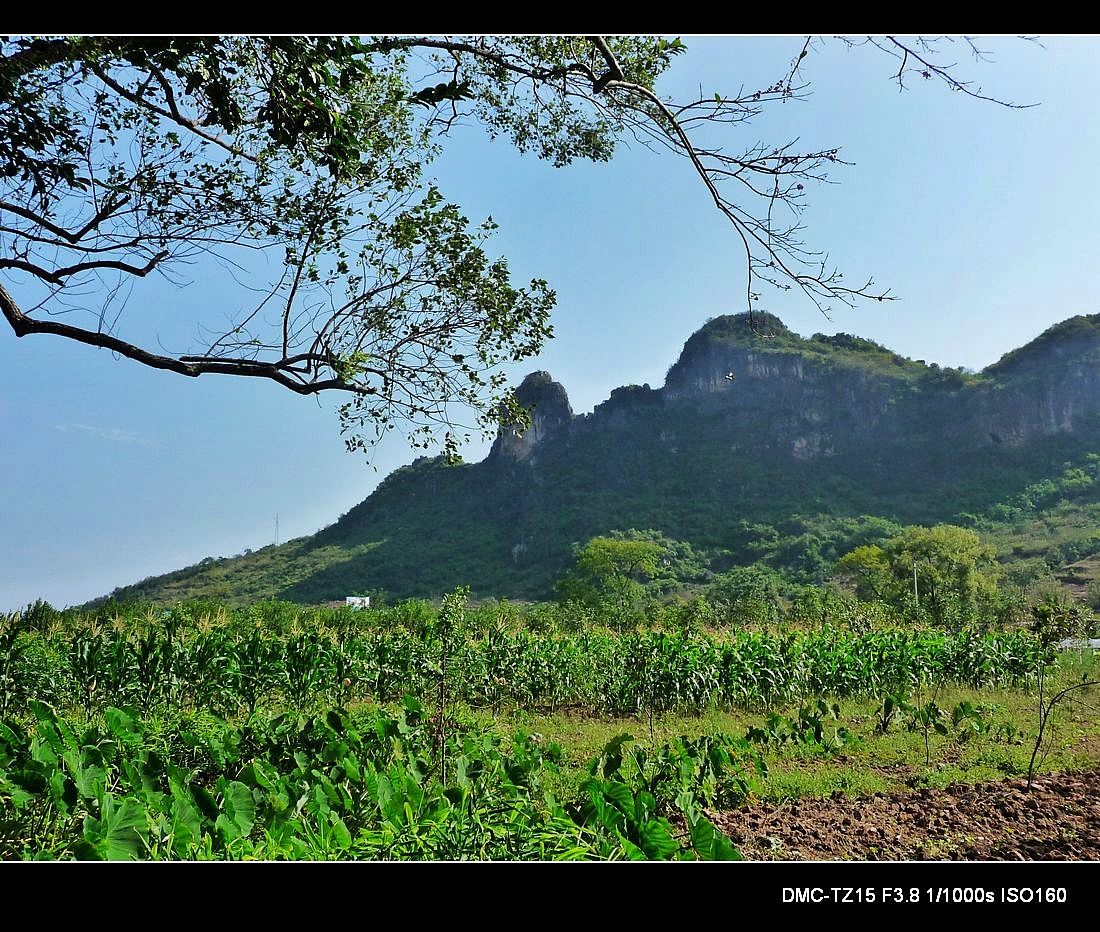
x: 42, y: 751
x: 340, y: 834
x: 123, y: 727
x: 239, y: 805
x: 350, y: 765
x: 31, y: 780
x: 43, y: 712
x: 389, y: 802
x: 90, y: 778
x: 186, y: 818
x: 262, y: 774
x: 121, y: 833
x: 321, y: 804
x: 461, y: 777
x: 612, y: 758
x: 655, y: 837
x: 632, y: 850
x: 63, y: 791
x: 711, y: 844
x: 620, y: 795
x: 10, y: 738
x: 205, y: 801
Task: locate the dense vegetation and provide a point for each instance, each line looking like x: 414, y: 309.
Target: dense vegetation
x: 271, y: 732
x: 232, y: 662
x: 1037, y: 536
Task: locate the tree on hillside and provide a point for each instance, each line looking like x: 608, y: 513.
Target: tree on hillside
x: 745, y: 594
x: 945, y: 572
x: 299, y: 165
x: 609, y: 574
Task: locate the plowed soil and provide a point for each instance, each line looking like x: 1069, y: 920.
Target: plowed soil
x: 1058, y: 819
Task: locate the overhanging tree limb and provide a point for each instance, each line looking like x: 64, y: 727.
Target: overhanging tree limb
x: 125, y: 157
x: 193, y: 366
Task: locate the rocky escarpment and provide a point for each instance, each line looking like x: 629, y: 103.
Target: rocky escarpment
x: 753, y: 379
x: 805, y: 399
x: 826, y: 393
x: 1049, y: 386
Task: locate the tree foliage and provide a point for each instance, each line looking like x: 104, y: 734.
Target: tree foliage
x: 746, y: 594
x: 609, y: 575
x: 945, y: 571
x: 300, y: 165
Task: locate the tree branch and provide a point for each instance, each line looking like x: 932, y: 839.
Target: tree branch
x: 139, y: 271
x: 614, y: 69
x: 22, y: 325
x: 192, y: 125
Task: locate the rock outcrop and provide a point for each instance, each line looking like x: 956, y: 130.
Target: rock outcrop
x: 547, y: 404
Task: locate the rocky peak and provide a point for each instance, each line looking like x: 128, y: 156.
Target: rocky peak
x: 727, y: 343
x: 548, y: 404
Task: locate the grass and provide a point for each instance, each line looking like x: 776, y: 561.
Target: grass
x: 870, y: 761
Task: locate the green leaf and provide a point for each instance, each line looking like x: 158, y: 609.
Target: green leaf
x: 123, y: 727
x: 711, y: 844
x: 462, y: 778
x: 122, y: 832
x: 389, y: 802
x: 351, y: 767
x: 340, y: 835
x: 611, y: 760
x: 186, y: 818
x: 208, y: 806
x: 10, y: 738
x: 63, y: 792
x: 90, y: 778
x: 620, y: 796
x: 655, y: 837
x: 239, y: 806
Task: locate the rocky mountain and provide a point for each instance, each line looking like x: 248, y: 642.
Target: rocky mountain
x: 755, y: 425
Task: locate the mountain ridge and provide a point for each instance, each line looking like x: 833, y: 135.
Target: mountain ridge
x: 827, y: 425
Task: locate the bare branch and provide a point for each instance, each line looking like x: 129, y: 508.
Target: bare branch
x: 139, y: 272
x: 921, y: 51
x: 190, y: 366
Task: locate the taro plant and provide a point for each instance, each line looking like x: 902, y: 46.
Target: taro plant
x: 629, y: 792
x: 808, y: 729
x: 892, y: 708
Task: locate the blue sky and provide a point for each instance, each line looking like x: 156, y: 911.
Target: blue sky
x: 981, y: 219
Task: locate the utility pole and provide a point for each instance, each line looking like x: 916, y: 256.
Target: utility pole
x: 276, y: 529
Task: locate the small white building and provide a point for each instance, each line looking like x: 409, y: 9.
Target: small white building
x: 358, y: 601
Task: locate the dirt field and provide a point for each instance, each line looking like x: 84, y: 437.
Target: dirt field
x: 1059, y: 819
